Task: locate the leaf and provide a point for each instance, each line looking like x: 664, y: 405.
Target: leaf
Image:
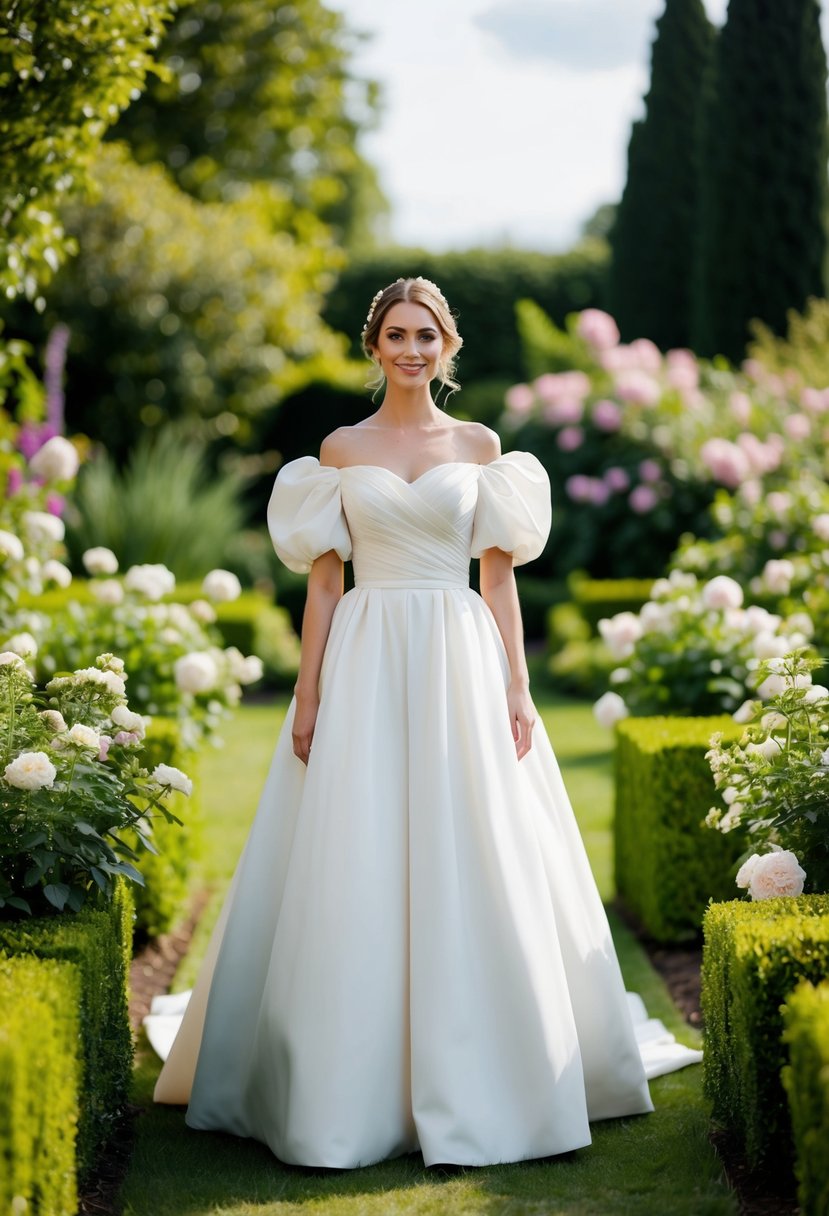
x: 100, y: 878
x: 57, y: 893
x: 15, y: 901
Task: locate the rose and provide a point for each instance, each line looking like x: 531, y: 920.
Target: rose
x: 597, y: 328
x: 221, y: 585
x: 57, y: 460
x: 609, y: 709
x: 151, y: 580
x: 620, y: 633
x: 166, y: 774
x: 31, y: 771
x: 11, y: 546
x: 202, y: 611
x: 23, y: 644
x: 195, y: 672
x: 42, y: 525
x: 84, y: 736
x: 126, y: 718
x: 55, y: 572
x: 777, y: 873
x: 243, y: 669
x: 777, y: 575
x: 100, y: 560
x: 746, y: 870
x: 722, y: 592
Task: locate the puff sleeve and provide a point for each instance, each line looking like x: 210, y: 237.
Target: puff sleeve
x: 514, y: 510
x: 305, y: 515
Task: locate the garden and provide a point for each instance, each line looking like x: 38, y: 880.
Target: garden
x: 182, y: 290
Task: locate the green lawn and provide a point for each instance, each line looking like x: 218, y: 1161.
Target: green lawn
x: 653, y: 1165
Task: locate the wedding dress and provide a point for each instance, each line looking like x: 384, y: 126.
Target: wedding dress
x: 412, y: 952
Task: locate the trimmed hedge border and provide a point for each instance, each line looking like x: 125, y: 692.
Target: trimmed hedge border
x: 40, y: 1070
x: 601, y: 597
x: 806, y: 1082
x: 754, y: 956
x: 97, y: 941
x: 667, y: 863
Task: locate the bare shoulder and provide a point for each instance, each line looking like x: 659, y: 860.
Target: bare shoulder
x: 335, y: 448
x: 481, y: 443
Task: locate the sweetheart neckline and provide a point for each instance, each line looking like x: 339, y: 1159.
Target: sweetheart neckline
x: 385, y: 469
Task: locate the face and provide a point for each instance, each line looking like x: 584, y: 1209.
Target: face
x: 410, y: 344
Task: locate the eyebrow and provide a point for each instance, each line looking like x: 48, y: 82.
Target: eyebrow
x: 423, y: 329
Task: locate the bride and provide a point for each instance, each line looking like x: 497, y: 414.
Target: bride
x: 412, y: 953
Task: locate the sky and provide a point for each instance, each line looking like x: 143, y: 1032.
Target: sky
x: 505, y: 122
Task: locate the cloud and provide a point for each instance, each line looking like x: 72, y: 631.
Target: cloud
x: 583, y: 35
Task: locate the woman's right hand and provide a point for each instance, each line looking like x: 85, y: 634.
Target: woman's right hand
x: 305, y: 717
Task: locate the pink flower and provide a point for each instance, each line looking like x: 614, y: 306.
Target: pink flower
x: 616, y: 478
x: 577, y: 487
x: 54, y: 503
x: 773, y: 874
x: 740, y: 404
x: 642, y: 499
x: 520, y: 399
x: 778, y: 502
x: 649, y: 470
x: 727, y: 462
x: 14, y: 480
x: 105, y: 741
x: 815, y: 400
x: 606, y: 415
x: 778, y: 539
x: 637, y: 386
x: 597, y: 328
x: 647, y: 354
x: 682, y: 370
x: 127, y: 738
x: 570, y: 438
x: 565, y: 412
x: 558, y: 386
x: 797, y: 426
x: 598, y: 492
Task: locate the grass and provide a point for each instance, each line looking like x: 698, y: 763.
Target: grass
x: 653, y: 1165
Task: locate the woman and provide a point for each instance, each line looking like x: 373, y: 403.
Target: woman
x: 412, y: 953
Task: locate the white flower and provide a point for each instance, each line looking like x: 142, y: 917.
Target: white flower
x: 768, y: 749
x: 820, y: 526
x: 57, y: 460
x: 620, y: 632
x: 203, y: 611
x: 11, y: 546
x: 107, y: 590
x: 746, y: 870
x: 745, y: 711
x: 817, y: 692
x: 772, y: 686
x: 9, y: 657
x: 730, y: 794
x: 801, y: 622
x: 165, y: 774
x: 23, y: 644
x: 110, y: 662
x: 245, y: 670
x: 777, y: 575
x: 609, y: 709
x: 31, y: 771
x: 777, y: 873
x: 42, y: 525
x: 682, y: 579
x: 54, y: 719
x: 100, y: 560
x: 221, y: 585
x: 152, y: 580
x: 653, y: 617
x: 824, y: 759
x: 619, y: 675
x: 774, y: 721
x: 770, y: 645
x: 92, y: 675
x: 179, y: 618
x: 84, y: 735
x: 195, y: 672
x: 55, y: 571
x: 731, y: 818
x: 128, y: 719
x: 722, y: 592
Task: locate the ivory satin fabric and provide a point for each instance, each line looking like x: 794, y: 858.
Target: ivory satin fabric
x: 412, y: 953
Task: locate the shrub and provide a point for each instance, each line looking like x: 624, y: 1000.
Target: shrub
x: 806, y: 1081
x: 40, y: 1069
x: 667, y: 864
x: 603, y: 597
x: 754, y: 955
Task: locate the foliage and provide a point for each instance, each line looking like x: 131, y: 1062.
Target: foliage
x: 71, y: 781
x: 775, y: 778
x: 66, y: 73
x: 652, y: 240
x: 806, y: 1082
x: 762, y: 236
x: 40, y: 1073
x: 754, y: 955
x: 667, y: 866
x: 803, y: 352
x: 165, y: 506
x: 97, y: 943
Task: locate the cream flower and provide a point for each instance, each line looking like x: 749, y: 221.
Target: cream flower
x: 56, y: 572
x: 722, y: 592
x: 85, y: 736
x: 609, y: 709
x: 23, y: 644
x: 128, y: 720
x: 31, y: 771
x: 11, y: 546
x: 57, y: 460
x: 165, y: 774
x: 100, y: 560
x: 195, y: 672
x: 107, y: 591
x: 42, y: 525
x: 221, y: 585
x: 777, y: 873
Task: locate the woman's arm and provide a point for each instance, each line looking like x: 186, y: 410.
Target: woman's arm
x: 325, y: 588
x: 498, y: 590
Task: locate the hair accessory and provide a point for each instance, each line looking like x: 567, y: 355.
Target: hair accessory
x: 418, y: 279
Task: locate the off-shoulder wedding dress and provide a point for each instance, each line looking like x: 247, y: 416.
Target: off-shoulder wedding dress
x: 412, y: 953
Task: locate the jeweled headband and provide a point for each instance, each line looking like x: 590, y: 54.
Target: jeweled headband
x: 418, y: 279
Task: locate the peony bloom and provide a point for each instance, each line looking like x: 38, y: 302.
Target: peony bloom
x: 642, y: 499
x: 84, y: 736
x: 41, y: 525
x: 638, y: 387
x: 722, y: 592
x: 57, y: 460
x: 519, y: 399
x: 609, y: 709
x: 616, y: 478
x: 31, y: 771
x: 727, y: 462
x: 54, y: 571
x: 195, y: 672
x: 597, y: 328
x: 165, y: 774
x: 563, y: 413
x: 773, y: 874
x: 100, y: 560
x: 682, y: 369
x: 11, y: 546
x: 606, y: 415
x: 577, y: 487
x: 221, y: 585
x: 620, y: 633
x: 570, y: 438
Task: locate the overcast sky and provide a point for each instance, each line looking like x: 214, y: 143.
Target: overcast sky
x: 505, y: 121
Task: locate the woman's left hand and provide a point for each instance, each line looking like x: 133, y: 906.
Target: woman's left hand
x: 522, y: 716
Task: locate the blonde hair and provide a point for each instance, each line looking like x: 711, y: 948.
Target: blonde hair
x: 419, y: 291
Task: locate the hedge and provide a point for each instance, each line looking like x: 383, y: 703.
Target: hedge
x: 806, y: 1082
x: 667, y: 862
x: 754, y: 956
x: 40, y: 1072
x: 604, y: 597
x: 98, y: 941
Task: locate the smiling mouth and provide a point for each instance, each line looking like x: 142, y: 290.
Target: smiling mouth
x: 412, y: 367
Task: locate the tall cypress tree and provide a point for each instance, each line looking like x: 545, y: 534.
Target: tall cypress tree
x: 653, y: 236
x: 763, y: 190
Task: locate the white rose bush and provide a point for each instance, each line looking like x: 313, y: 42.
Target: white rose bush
x: 774, y: 782
x: 71, y: 782
x: 691, y: 649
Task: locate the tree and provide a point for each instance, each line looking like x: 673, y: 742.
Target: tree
x: 66, y: 72
x: 763, y: 188
x: 652, y: 240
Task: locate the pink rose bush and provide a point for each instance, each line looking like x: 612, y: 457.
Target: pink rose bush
x: 774, y: 781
